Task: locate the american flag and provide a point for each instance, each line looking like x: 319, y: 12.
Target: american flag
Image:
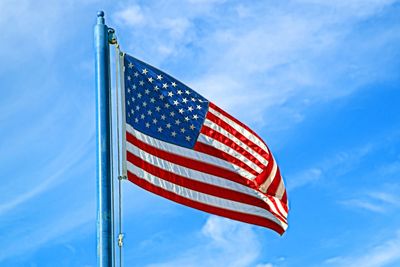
x: 183, y: 147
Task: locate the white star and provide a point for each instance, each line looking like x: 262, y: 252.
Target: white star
x: 187, y: 118
x: 133, y: 112
x: 163, y: 117
x: 130, y: 65
x: 136, y: 120
x: 129, y: 102
x: 152, y: 100
x: 150, y: 79
x: 181, y: 110
x: 184, y: 100
x: 187, y: 92
x: 167, y: 105
x: 147, y: 125
x: 198, y: 107
x: 188, y: 138
x: 159, y: 77
x: 176, y: 102
x: 129, y: 90
x: 165, y: 85
x: 190, y: 108
x: 158, y: 109
x: 144, y: 104
x: 137, y: 107
x: 136, y: 74
x: 142, y: 116
x: 173, y: 134
x: 145, y: 71
x: 177, y: 122
x: 139, y: 95
x: 173, y: 84
x: 161, y: 96
x: 183, y: 130
x: 192, y: 127
x: 195, y: 116
x: 134, y: 87
x: 147, y: 91
x: 168, y: 125
x: 179, y: 92
x: 149, y: 112
x: 172, y: 113
x: 133, y: 99
x: 156, y: 88
x: 155, y: 121
x: 159, y: 129
x: 201, y: 101
x: 129, y: 78
x: 170, y: 94
x: 141, y: 83
x: 193, y: 99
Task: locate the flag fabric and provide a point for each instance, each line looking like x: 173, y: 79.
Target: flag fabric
x: 185, y: 148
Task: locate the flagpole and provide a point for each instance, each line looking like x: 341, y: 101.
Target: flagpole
x: 104, y: 181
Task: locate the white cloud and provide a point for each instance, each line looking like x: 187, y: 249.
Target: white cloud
x: 364, y: 204
x: 131, y: 16
x: 261, y: 59
x: 353, y: 8
x: 52, y: 174
x: 337, y: 164
x: 375, y: 201
x: 228, y: 243
x: 306, y: 177
x: 33, y: 237
x: 265, y: 265
x: 281, y: 59
x: 383, y: 254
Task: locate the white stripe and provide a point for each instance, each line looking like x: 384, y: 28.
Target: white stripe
x: 187, y: 172
x: 122, y: 132
x: 220, y: 146
x: 188, y: 153
x: 204, y: 198
x: 230, y: 136
x: 268, y: 200
x: 264, y: 186
x: 280, y: 207
x: 197, y: 175
x: 280, y: 190
x: 240, y: 129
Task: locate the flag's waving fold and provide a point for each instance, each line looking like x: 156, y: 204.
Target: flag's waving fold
x: 185, y: 148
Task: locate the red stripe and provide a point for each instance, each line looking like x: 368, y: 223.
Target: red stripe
x: 213, y: 106
x: 190, y: 163
x: 272, y: 199
x: 228, y: 142
x: 285, y: 202
x: 261, y: 178
x: 237, y: 134
x: 212, y: 151
x: 239, y: 216
x: 200, y: 186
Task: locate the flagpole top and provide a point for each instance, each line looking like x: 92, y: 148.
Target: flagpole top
x: 100, y: 17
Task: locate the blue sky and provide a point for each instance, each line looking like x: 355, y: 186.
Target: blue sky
x: 318, y: 80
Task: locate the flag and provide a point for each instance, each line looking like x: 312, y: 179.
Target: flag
x: 185, y: 148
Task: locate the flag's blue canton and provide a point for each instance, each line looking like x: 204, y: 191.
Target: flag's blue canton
x: 161, y: 106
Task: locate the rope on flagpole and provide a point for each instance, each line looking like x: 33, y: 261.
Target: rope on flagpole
x: 112, y: 40
x: 121, y: 175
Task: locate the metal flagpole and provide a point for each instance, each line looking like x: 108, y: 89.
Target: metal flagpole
x: 103, y: 131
